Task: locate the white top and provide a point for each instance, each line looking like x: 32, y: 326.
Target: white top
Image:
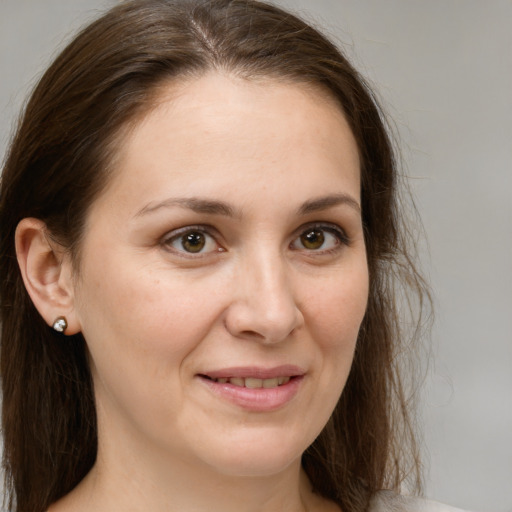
x: 388, y: 501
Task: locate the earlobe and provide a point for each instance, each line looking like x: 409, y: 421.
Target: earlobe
x: 47, y: 273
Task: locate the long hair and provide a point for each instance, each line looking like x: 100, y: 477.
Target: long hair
x: 60, y: 159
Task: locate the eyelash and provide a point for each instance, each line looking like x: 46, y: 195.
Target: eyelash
x: 177, y: 236
x: 339, y: 234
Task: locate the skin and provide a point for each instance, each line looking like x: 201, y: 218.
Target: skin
x: 156, y: 316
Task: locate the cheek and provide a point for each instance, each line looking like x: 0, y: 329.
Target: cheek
x: 137, y: 304
x: 336, y: 310
x: 141, y: 326
x: 139, y: 329
x: 335, y: 313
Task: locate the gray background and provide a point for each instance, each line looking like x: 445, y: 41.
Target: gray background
x: 444, y: 72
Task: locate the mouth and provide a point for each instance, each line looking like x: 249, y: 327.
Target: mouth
x: 251, y: 382
x: 255, y: 389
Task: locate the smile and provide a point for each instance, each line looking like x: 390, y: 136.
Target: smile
x: 252, y: 382
x: 255, y: 389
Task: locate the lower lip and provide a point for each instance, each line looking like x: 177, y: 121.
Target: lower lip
x: 259, y: 399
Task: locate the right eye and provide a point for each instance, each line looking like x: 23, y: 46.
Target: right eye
x: 190, y: 241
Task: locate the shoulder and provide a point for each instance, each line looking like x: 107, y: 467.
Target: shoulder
x: 388, y: 501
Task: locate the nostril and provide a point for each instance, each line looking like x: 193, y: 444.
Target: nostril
x: 252, y: 334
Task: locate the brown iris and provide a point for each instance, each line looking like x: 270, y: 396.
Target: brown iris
x: 193, y: 242
x: 312, y: 239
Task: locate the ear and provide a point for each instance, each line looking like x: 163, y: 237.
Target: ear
x: 47, y: 273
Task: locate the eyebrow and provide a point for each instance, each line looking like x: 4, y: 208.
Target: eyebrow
x: 196, y: 204
x: 213, y: 207
x: 326, y: 202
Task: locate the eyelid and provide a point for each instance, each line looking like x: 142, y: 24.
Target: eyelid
x: 329, y: 227
x: 169, y: 237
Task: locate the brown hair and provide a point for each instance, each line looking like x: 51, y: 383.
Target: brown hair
x: 59, y: 161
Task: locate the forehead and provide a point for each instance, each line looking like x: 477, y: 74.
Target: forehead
x: 224, y: 127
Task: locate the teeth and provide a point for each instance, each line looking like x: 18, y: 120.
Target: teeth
x: 253, y: 383
x: 270, y: 383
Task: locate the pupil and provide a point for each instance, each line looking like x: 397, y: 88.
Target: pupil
x: 313, y: 239
x: 193, y: 242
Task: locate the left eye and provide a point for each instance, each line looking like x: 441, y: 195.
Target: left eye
x: 318, y: 239
x: 192, y: 241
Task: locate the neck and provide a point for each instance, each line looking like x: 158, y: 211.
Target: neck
x: 180, y: 487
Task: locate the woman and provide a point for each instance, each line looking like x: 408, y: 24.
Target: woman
x: 200, y: 251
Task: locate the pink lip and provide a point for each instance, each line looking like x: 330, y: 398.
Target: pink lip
x: 259, y: 399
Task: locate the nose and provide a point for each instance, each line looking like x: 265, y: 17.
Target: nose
x: 263, y: 306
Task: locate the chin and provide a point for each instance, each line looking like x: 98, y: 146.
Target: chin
x: 256, y: 456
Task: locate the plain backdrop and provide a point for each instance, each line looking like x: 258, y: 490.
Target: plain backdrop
x: 443, y: 69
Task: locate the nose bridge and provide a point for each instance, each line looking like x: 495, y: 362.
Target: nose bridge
x: 265, y: 305
x: 272, y: 281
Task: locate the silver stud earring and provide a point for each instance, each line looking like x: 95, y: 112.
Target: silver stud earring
x: 60, y: 324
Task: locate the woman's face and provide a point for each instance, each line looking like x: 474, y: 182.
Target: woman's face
x: 224, y: 278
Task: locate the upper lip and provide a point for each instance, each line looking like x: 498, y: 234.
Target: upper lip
x: 256, y: 372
